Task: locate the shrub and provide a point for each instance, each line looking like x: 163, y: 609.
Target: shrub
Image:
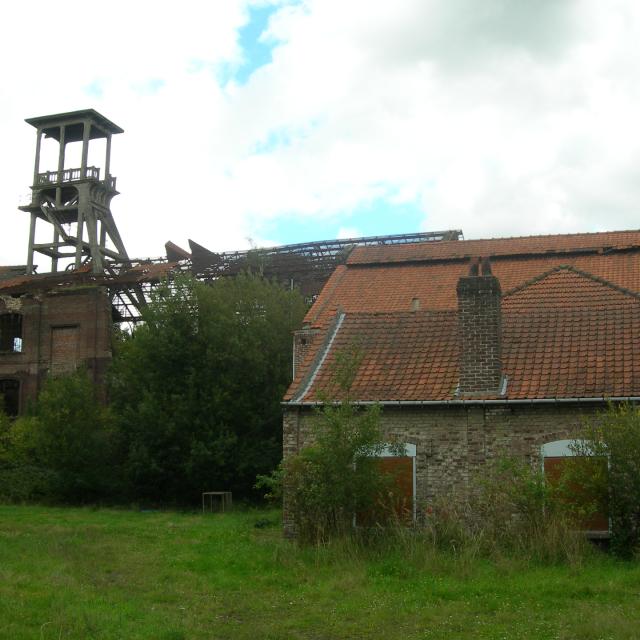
x: 63, y: 450
x: 512, y: 510
x: 337, y: 476
x: 614, y: 487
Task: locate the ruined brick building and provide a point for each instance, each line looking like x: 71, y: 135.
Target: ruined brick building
x: 57, y: 311
x: 44, y: 331
x: 54, y: 323
x: 475, y: 348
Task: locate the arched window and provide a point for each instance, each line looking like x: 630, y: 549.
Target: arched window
x: 10, y: 397
x: 10, y: 333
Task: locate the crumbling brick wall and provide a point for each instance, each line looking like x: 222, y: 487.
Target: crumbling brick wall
x: 60, y: 331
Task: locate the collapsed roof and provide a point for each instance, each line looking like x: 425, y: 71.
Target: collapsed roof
x: 306, y: 266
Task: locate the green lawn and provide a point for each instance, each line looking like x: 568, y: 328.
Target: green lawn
x: 82, y: 573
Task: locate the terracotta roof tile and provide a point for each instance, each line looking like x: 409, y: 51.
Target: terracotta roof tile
x: 548, y: 352
x: 566, y: 287
x: 391, y: 287
x: 571, y: 321
x: 566, y: 353
x: 392, y: 367
x: 527, y: 245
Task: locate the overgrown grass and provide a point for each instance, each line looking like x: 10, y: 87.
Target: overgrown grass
x: 81, y: 573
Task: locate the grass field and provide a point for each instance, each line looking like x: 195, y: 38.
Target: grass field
x: 81, y: 573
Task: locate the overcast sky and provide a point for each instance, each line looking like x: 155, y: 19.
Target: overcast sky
x: 276, y: 122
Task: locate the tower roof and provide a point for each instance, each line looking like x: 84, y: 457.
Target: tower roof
x: 73, y: 121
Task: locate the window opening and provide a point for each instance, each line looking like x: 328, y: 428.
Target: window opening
x: 10, y: 397
x: 11, y: 332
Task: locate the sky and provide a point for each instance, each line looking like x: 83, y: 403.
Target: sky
x: 259, y: 122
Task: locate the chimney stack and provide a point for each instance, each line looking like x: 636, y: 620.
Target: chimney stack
x: 479, y: 322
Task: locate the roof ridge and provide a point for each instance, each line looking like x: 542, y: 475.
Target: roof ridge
x: 554, y: 235
x: 534, y: 280
x: 605, y: 282
x: 580, y: 272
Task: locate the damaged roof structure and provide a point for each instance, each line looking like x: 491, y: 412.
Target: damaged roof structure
x: 57, y: 310
x: 306, y: 266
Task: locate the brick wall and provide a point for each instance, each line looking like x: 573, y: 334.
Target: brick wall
x: 452, y: 443
x: 60, y: 331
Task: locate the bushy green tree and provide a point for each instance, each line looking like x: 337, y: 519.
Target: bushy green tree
x: 336, y: 477
x: 197, y: 387
x: 63, y: 449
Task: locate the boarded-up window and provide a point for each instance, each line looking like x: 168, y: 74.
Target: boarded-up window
x: 399, y: 502
x: 64, y: 349
x: 11, y: 332
x: 10, y: 397
x: 554, y: 467
x: 556, y: 456
x: 401, y: 470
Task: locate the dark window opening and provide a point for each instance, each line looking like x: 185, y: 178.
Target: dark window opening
x: 10, y: 397
x: 11, y: 332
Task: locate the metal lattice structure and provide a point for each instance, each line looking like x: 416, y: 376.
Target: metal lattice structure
x: 130, y: 283
x: 306, y: 265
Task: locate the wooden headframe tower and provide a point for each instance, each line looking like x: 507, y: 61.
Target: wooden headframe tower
x: 74, y: 201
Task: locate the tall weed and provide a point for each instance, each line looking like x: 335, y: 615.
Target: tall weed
x: 511, y: 511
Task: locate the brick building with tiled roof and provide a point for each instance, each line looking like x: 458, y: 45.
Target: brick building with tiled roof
x: 476, y: 348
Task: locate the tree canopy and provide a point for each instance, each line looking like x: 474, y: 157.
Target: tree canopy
x: 196, y: 388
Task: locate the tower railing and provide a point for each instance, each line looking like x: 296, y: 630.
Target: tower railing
x: 73, y: 175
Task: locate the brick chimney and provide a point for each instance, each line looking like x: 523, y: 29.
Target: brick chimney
x: 302, y: 340
x: 479, y: 323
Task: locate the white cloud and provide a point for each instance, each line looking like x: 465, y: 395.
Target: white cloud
x: 499, y: 117
x: 344, y: 233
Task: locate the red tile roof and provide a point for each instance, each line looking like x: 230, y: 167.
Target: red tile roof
x: 566, y: 287
x: 527, y: 245
x: 571, y: 322
x: 406, y: 356
x: 390, y: 286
